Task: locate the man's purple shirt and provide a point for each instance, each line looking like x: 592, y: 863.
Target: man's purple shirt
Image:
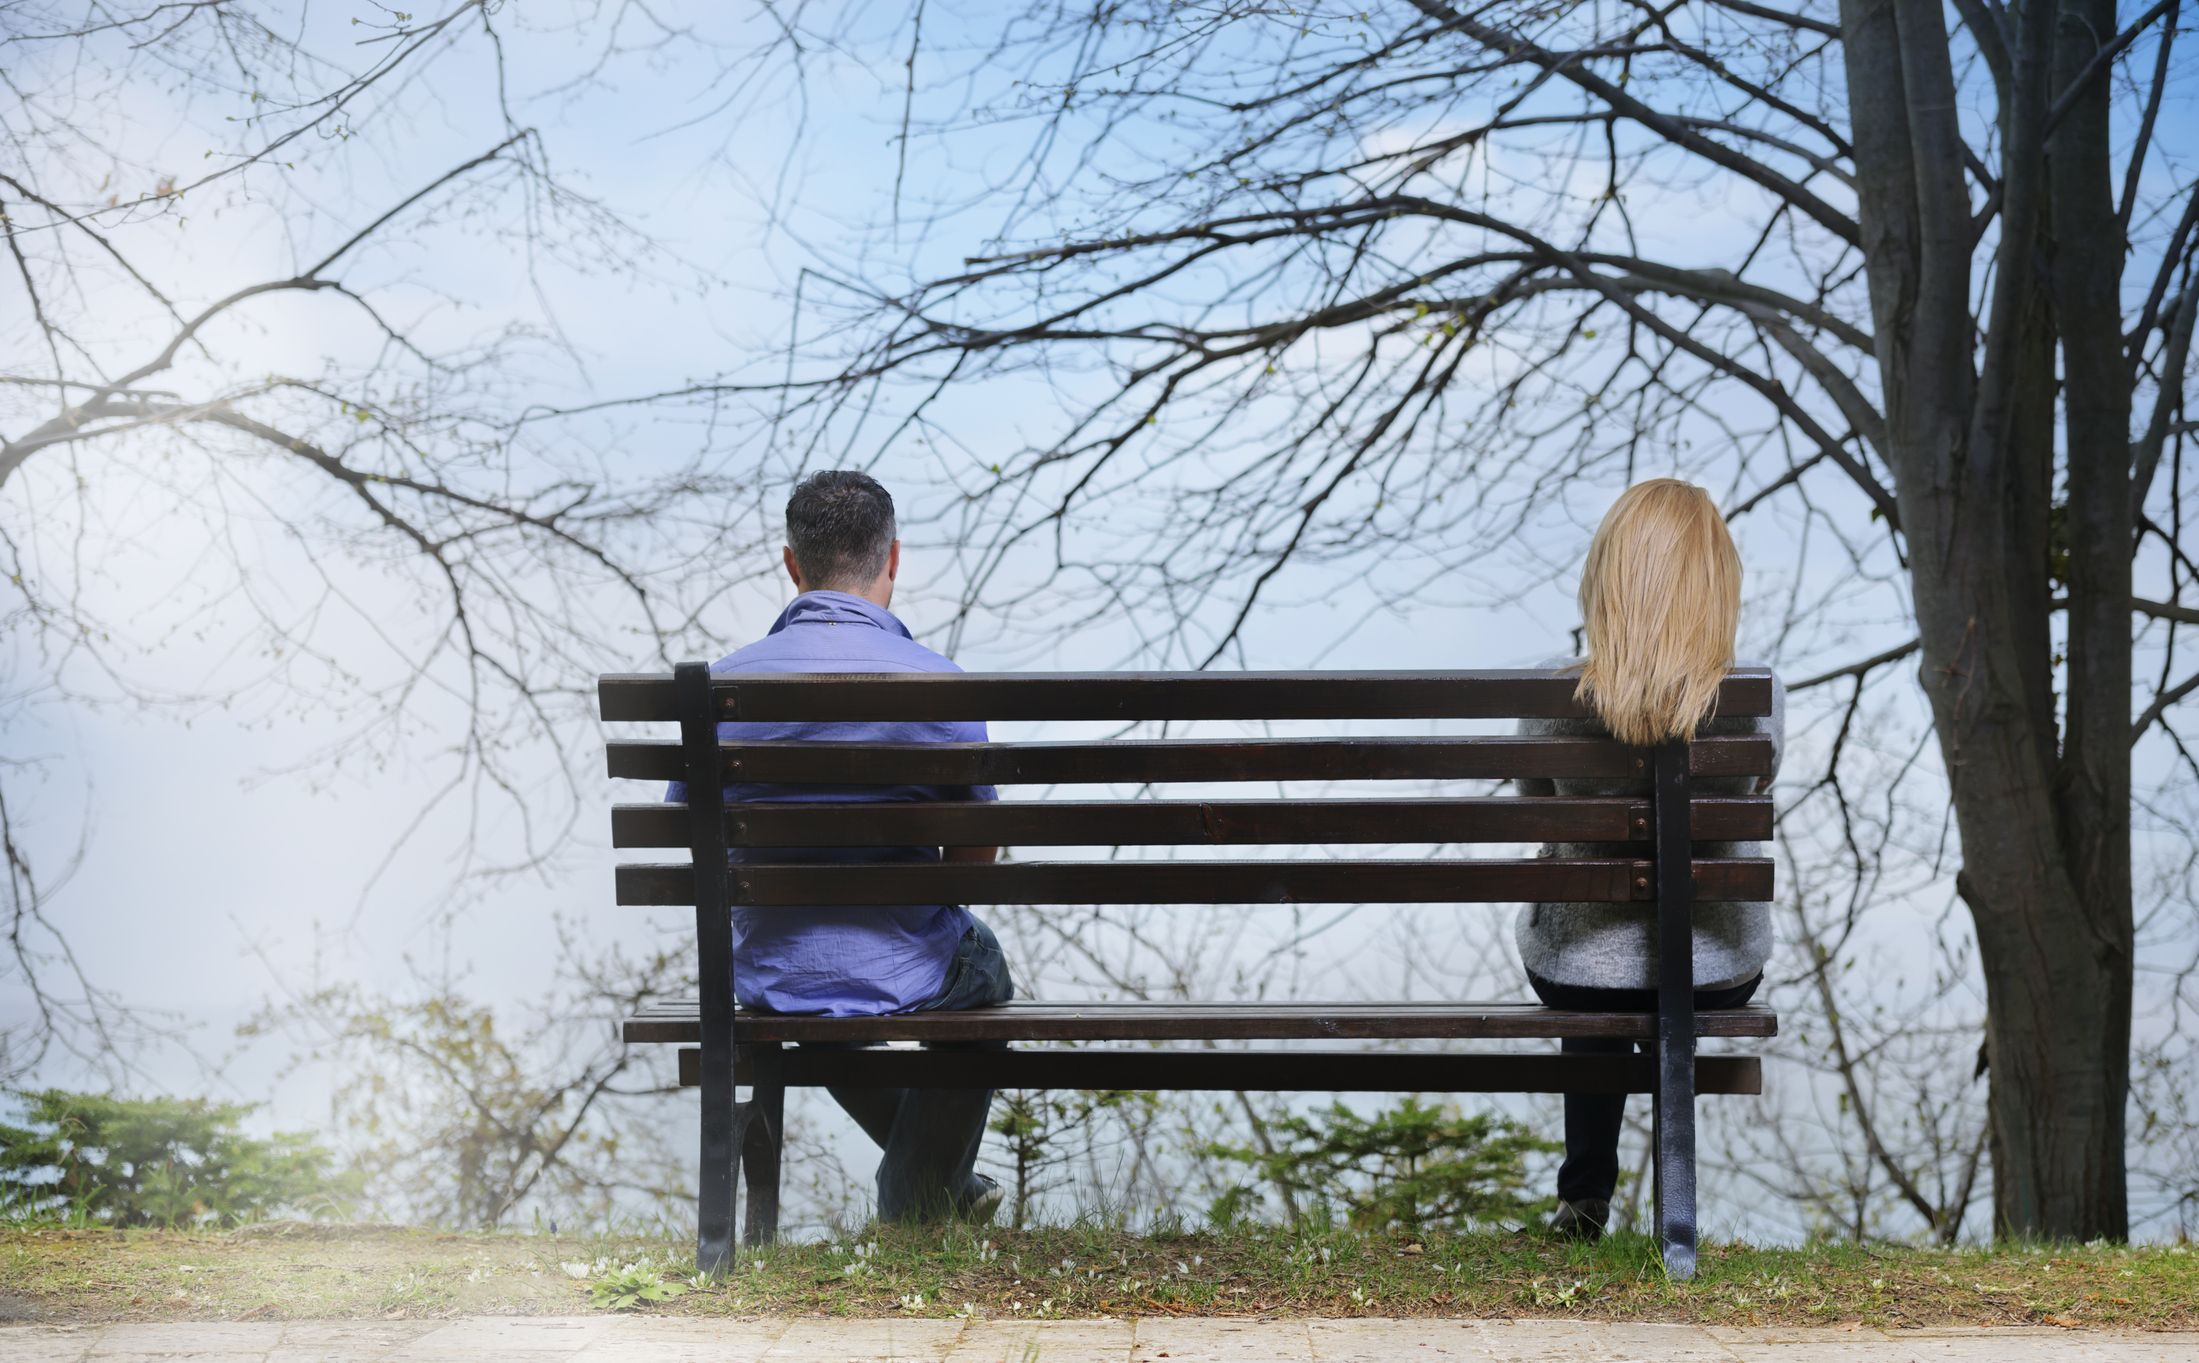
x: 842, y: 962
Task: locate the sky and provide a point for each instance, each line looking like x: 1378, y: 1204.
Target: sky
x: 218, y: 878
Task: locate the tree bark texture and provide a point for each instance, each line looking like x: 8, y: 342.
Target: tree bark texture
x: 2043, y: 808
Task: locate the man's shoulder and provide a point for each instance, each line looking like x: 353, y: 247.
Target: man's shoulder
x: 786, y: 651
x: 925, y: 660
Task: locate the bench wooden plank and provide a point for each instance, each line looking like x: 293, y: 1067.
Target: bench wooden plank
x: 1153, y: 823
x: 679, y: 1020
x: 1478, y: 758
x: 1297, y: 1071
x: 1482, y: 694
x: 1436, y: 881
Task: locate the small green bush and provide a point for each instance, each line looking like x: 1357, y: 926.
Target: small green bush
x: 1412, y: 1166
x: 97, y: 1159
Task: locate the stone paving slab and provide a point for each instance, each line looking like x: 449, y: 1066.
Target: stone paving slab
x: 1030, y: 1341
x: 845, y: 1341
x: 1221, y: 1340
x: 1398, y: 1341
x: 1526, y: 1341
x: 645, y: 1339
x: 677, y: 1341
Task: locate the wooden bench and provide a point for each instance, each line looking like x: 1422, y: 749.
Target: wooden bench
x: 1644, y: 858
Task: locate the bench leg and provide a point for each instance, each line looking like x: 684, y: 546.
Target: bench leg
x: 1675, y: 1121
x: 1674, y: 1129
x: 763, y: 1134
x: 722, y: 1120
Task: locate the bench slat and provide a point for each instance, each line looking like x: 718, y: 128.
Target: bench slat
x: 1175, y: 760
x: 1478, y: 881
x: 1487, y: 694
x: 1263, y: 1071
x: 679, y: 1020
x: 1156, y: 823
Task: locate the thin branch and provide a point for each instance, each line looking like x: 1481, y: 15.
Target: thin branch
x: 1875, y: 661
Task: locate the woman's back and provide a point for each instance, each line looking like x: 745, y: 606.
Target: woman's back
x: 1613, y: 946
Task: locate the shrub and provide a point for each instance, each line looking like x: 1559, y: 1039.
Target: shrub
x: 1047, y: 1131
x: 1412, y: 1165
x: 113, y: 1161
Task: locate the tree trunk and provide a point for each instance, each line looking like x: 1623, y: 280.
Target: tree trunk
x: 2092, y: 781
x: 2057, y: 985
x: 2044, y: 824
x: 2057, y: 988
x: 2058, y: 1037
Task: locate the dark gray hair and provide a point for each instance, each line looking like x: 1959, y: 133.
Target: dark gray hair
x: 839, y: 523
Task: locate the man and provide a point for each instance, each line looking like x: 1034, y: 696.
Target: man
x: 843, y: 556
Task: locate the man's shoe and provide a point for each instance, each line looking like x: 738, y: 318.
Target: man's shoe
x: 985, y: 1205
x: 1583, y: 1220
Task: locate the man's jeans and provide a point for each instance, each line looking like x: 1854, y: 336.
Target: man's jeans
x: 930, y: 1136
x: 1592, y: 1120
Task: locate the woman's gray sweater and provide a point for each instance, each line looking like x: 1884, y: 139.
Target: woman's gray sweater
x: 1613, y: 946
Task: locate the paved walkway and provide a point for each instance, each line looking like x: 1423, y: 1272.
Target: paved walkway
x: 606, y: 1339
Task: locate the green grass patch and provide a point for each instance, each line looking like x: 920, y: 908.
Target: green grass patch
x: 290, y: 1271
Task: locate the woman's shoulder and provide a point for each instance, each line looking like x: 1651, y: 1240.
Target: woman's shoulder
x: 1565, y: 728
x: 1776, y: 722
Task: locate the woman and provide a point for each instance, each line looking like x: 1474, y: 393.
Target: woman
x: 1660, y: 600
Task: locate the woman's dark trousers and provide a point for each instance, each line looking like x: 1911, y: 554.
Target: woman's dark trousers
x: 1592, y: 1120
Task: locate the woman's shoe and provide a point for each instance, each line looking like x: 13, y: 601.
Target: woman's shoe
x: 985, y: 1205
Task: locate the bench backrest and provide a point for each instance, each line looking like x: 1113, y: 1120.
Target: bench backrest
x: 1648, y: 837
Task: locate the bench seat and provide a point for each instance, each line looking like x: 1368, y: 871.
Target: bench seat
x: 1210, y: 1070
x: 889, y: 1062
x: 680, y: 1021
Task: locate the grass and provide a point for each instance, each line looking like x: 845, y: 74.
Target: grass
x: 299, y: 1271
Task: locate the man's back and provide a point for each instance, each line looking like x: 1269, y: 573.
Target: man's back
x: 857, y: 960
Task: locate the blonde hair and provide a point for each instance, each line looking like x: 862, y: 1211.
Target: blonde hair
x: 1660, y: 603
